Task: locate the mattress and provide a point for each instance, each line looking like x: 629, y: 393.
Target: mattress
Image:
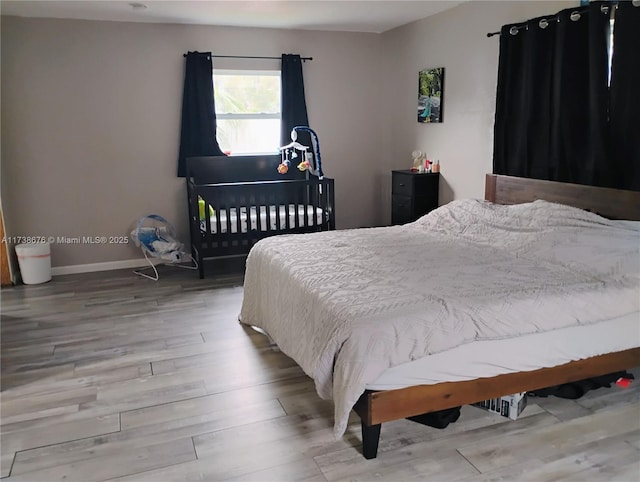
x: 273, y: 214
x: 491, y: 358
x: 349, y: 305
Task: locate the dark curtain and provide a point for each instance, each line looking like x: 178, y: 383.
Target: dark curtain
x: 198, y: 129
x: 625, y: 97
x: 551, y: 104
x: 294, y: 106
x: 579, y: 97
x: 524, y: 80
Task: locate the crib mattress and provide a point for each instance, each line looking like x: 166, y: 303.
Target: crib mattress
x: 274, y: 212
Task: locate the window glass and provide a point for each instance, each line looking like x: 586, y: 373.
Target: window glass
x: 247, y: 111
x: 249, y: 136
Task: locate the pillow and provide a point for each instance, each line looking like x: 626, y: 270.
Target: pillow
x: 201, y: 209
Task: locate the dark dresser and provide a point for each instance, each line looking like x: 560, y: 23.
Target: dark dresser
x: 412, y: 195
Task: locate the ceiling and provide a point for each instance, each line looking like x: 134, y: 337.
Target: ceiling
x: 344, y: 15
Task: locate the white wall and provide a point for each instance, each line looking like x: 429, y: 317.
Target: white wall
x: 91, y: 115
x: 456, y: 40
x: 91, y: 122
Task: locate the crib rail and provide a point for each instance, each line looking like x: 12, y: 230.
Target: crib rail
x: 227, y: 219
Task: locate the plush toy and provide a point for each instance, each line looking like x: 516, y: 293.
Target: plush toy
x: 283, y: 168
x: 304, y: 165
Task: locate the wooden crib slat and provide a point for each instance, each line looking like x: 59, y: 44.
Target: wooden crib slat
x: 296, y: 207
x: 287, y: 213
x: 315, y: 197
x: 238, y: 212
x: 244, y: 201
x: 267, y: 212
x: 207, y: 220
x: 331, y: 204
x: 229, y: 226
x: 248, y: 202
x: 257, y: 208
x: 277, y: 205
x: 305, y: 206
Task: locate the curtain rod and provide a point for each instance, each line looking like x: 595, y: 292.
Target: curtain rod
x: 578, y: 11
x: 304, y: 59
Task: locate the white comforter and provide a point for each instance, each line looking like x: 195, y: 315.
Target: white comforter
x: 347, y: 305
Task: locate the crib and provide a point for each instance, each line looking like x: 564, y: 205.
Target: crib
x: 236, y: 201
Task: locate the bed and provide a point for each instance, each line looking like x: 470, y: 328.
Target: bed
x: 355, y: 323
x: 236, y: 201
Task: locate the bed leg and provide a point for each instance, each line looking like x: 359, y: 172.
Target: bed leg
x: 370, y: 439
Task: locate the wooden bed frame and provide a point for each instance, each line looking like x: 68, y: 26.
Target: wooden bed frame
x: 376, y: 407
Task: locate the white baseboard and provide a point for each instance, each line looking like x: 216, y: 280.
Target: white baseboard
x: 107, y: 266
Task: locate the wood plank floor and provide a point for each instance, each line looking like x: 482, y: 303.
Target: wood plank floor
x: 108, y: 376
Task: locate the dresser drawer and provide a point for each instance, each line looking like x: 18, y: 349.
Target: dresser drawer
x: 401, y: 209
x: 402, y: 184
x: 423, y: 204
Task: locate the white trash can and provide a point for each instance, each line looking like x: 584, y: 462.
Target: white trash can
x: 35, y: 262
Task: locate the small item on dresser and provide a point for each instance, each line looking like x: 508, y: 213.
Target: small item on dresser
x: 427, y: 165
x: 436, y: 167
x: 417, y: 160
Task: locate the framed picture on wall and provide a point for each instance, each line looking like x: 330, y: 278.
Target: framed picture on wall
x: 430, y: 95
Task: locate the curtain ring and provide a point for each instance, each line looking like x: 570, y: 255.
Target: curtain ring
x: 543, y: 23
x: 513, y: 30
x: 575, y: 16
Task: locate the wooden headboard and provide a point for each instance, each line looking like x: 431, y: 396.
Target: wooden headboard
x: 221, y: 169
x: 607, y: 202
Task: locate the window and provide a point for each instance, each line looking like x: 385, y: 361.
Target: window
x: 247, y: 111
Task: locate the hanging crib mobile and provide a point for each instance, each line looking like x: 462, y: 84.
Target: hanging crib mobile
x: 310, y: 160
x: 155, y: 236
